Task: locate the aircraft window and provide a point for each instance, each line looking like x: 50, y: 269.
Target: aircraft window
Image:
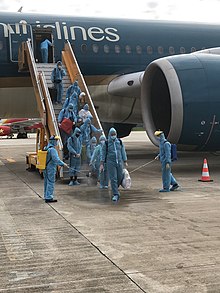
x: 160, y: 50
x: 106, y: 49
x: 84, y: 48
x: 95, y: 48
x: 1, y: 45
x: 193, y: 49
x: 117, y: 49
x: 138, y: 49
x: 171, y: 50
x: 128, y: 49
x: 149, y: 50
x: 182, y: 50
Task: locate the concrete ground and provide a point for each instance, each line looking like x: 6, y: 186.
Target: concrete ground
x: 147, y: 242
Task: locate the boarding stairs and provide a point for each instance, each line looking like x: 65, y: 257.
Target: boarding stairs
x: 40, y: 75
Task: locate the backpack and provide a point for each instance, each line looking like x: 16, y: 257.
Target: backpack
x: 173, y: 151
x: 42, y: 159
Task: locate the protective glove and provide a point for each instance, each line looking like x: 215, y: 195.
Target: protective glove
x: 167, y: 166
x: 157, y: 157
x: 126, y: 164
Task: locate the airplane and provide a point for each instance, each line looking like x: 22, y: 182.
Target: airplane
x: 21, y: 126
x: 164, y: 74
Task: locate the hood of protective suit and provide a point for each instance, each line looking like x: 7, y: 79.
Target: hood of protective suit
x: 102, y: 137
x: 87, y: 121
x: 70, y: 106
x: 76, y: 130
x: 86, y: 107
x: 93, y: 140
x: 52, y: 143
x: 162, y: 138
x: 75, y: 83
x: 112, y: 130
x: 59, y: 63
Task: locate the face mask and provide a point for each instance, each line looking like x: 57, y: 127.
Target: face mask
x: 102, y: 142
x: 94, y: 144
x: 59, y: 67
x: 113, y: 137
x: 78, y: 134
x: 70, y: 110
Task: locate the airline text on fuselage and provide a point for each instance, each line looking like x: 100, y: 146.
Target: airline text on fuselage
x: 62, y: 30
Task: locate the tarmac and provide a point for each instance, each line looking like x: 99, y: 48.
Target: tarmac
x: 147, y: 242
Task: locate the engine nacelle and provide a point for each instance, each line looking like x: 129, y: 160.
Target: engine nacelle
x: 181, y: 96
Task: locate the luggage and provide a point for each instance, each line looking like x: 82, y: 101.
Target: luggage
x: 126, y: 181
x: 53, y: 93
x: 66, y: 125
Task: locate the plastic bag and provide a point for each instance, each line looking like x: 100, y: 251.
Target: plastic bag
x: 126, y: 181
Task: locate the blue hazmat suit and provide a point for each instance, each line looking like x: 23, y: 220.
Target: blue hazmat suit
x: 51, y: 167
x: 74, y: 88
x: 95, y: 162
x: 114, y: 154
x: 90, y: 148
x: 165, y: 159
x: 74, y: 145
x: 44, y: 50
x: 87, y: 129
x: 68, y: 114
x: 57, y: 77
x: 73, y: 99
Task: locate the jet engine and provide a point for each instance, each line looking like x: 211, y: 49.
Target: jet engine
x: 181, y: 96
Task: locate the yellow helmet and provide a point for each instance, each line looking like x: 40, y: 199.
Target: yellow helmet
x: 54, y: 137
x: 158, y: 132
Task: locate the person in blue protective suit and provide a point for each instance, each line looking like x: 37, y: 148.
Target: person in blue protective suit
x: 87, y: 130
x: 74, y: 88
x: 57, y: 78
x: 114, y: 154
x: 66, y: 121
x: 74, y: 145
x: 90, y: 148
x: 73, y: 99
x: 165, y: 159
x: 52, y: 161
x: 44, y: 50
x: 95, y: 163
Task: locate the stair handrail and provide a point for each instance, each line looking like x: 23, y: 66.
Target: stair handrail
x: 35, y: 77
x: 47, y: 99
x: 68, y: 48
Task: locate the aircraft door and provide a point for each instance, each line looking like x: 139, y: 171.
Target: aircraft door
x: 39, y: 35
x: 18, y: 33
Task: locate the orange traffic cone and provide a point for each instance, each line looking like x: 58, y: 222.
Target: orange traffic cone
x: 205, y: 173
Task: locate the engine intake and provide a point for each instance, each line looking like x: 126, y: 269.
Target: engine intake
x: 181, y: 96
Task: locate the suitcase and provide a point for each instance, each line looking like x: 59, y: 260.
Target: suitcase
x: 66, y: 125
x: 53, y: 93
